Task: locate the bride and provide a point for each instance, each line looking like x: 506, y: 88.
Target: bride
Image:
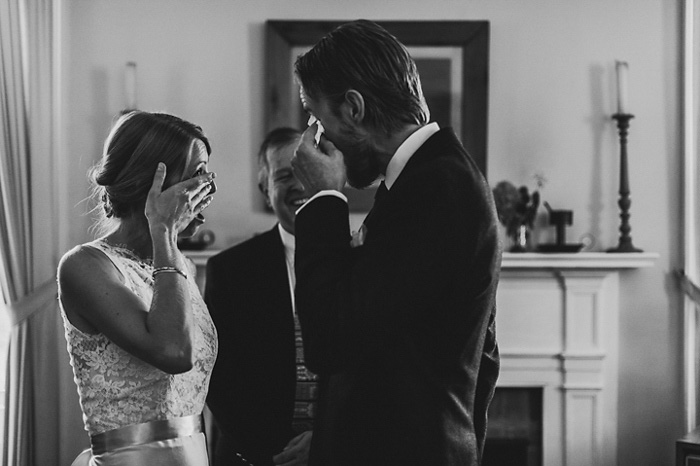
x: 140, y: 339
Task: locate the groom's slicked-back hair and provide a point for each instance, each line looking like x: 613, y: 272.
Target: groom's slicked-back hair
x: 363, y: 56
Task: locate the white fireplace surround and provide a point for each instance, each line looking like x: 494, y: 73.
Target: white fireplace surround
x: 557, y: 329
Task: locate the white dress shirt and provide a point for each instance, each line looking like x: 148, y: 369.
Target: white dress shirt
x: 289, y: 243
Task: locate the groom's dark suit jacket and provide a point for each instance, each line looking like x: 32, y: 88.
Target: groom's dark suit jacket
x: 401, y: 330
x: 252, y: 388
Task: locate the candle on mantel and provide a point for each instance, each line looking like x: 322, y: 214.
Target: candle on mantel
x: 130, y: 85
x: 621, y: 68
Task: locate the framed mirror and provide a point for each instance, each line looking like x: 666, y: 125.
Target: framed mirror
x: 452, y: 58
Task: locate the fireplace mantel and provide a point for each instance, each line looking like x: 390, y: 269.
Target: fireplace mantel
x: 531, y: 260
x: 558, y: 330
x: 581, y: 260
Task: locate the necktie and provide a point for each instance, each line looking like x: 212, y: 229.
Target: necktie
x: 306, y: 388
x: 381, y: 193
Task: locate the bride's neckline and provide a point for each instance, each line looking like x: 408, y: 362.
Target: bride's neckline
x: 127, y: 252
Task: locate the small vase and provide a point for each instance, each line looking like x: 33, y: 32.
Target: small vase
x: 521, y: 239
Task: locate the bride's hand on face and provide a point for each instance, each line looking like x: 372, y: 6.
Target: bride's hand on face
x: 177, y: 206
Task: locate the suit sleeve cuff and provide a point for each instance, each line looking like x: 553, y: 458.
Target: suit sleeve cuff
x: 325, y: 192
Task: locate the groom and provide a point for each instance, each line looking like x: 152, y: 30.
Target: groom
x: 400, y: 329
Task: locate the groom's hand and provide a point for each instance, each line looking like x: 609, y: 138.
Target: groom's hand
x: 318, y: 167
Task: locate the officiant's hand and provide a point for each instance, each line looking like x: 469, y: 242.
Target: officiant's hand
x: 318, y: 167
x: 296, y: 453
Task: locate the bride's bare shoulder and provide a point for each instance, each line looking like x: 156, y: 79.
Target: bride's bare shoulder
x: 85, y: 263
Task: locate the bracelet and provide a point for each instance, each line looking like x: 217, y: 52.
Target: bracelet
x: 158, y: 270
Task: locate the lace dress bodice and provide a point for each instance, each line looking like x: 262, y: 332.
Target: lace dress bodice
x: 117, y: 389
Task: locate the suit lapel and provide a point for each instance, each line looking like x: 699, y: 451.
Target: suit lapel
x: 436, y: 145
x: 277, y: 266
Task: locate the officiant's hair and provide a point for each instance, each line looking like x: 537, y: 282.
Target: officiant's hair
x: 363, y: 56
x: 275, y: 139
x: 136, y: 143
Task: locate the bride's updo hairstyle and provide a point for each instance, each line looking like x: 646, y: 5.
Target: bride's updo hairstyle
x: 137, y: 142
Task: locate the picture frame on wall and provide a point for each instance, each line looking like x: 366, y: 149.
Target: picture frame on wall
x: 452, y: 59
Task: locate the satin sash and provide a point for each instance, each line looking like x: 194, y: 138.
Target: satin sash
x: 147, y: 432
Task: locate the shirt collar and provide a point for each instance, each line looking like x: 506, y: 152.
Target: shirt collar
x: 406, y: 150
x: 288, y: 239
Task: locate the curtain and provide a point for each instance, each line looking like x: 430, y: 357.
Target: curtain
x: 691, y: 208
x: 42, y: 424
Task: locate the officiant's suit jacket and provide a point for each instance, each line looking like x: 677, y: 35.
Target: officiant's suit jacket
x: 252, y: 388
x: 401, y: 329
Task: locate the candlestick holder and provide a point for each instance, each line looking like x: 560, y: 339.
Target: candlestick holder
x: 625, y: 242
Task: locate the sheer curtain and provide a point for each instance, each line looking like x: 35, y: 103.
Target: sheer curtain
x: 42, y: 424
x: 691, y: 205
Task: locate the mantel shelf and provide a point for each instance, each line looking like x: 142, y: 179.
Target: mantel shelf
x: 579, y: 260
x: 534, y: 260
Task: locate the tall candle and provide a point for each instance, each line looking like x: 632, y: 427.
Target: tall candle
x: 130, y: 85
x: 621, y: 68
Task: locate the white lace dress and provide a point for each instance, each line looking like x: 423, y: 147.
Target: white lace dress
x: 117, y: 389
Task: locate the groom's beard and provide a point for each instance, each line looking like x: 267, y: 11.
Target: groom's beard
x: 362, y: 165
